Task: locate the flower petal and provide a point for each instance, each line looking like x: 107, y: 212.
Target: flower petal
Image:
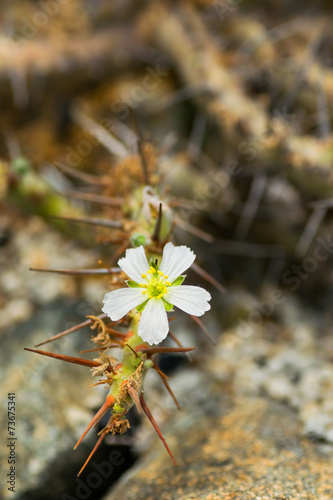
x: 190, y: 299
x: 119, y: 302
x: 154, y: 325
x: 176, y: 260
x: 135, y: 263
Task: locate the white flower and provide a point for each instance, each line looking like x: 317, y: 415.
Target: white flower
x: 154, y: 290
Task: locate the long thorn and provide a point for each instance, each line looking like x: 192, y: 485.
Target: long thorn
x: 174, y: 338
x: 156, y: 350
x: 197, y: 269
x: 140, y: 142
x: 90, y: 220
x: 102, y: 436
x: 155, y: 366
x: 77, y: 272
x: 185, y: 226
x: 134, y: 395
x: 69, y: 359
x: 102, y: 134
x: 121, y: 335
x: 92, y: 350
x: 154, y: 424
x: 134, y: 352
x: 101, y: 412
x: 70, y: 330
x: 119, y: 252
x: 157, y: 230
x: 88, y: 178
x: 203, y: 328
x: 159, y: 371
x: 94, y: 198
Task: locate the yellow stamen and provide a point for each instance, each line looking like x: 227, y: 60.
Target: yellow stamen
x: 160, y: 273
x: 141, y: 284
x: 144, y: 276
x: 166, y: 277
x: 168, y: 283
x: 145, y: 291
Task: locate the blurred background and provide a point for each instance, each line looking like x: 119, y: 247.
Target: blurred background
x: 231, y: 101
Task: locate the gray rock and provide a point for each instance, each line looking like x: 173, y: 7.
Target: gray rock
x: 53, y: 403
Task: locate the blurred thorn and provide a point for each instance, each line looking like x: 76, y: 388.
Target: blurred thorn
x: 274, y: 271
x: 185, y: 226
x: 246, y: 249
x: 94, y: 198
x: 310, y: 231
x: 12, y: 142
x: 201, y: 272
x: 328, y: 203
x: 179, y: 96
x: 174, y: 338
x: 103, y: 136
x: 78, y: 272
x: 169, y: 350
x: 310, y: 55
x: 55, y: 178
x: 197, y: 136
x: 284, y: 30
x: 323, y: 112
x: 257, y: 189
x: 83, y: 176
x: 140, y: 142
x: 89, y: 220
x: 203, y: 328
x: 62, y: 120
x: 19, y: 87
x: 127, y: 135
x: 157, y: 229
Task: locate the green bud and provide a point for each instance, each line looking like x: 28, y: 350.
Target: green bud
x: 139, y: 239
x: 21, y: 165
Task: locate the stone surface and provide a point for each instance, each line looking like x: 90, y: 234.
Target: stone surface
x: 256, y: 418
x: 249, y: 448
x: 53, y: 404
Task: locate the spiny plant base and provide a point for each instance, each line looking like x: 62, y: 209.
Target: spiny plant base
x: 148, y: 222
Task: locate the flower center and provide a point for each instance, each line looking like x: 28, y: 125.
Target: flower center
x: 156, y: 283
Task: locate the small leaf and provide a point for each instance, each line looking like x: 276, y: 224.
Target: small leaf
x: 141, y: 307
x: 167, y: 305
x: 132, y: 284
x: 178, y: 281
